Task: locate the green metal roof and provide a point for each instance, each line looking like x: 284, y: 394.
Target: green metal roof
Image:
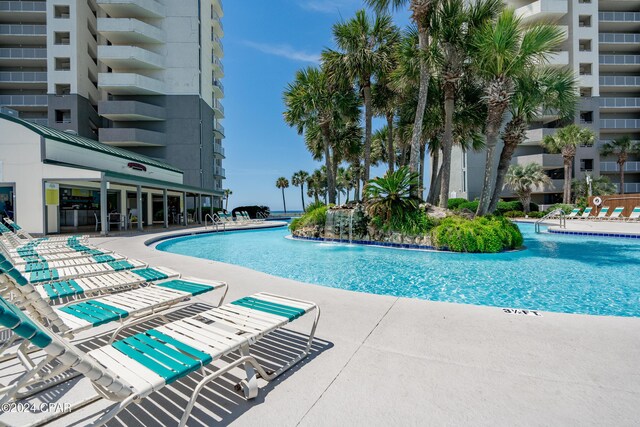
x: 90, y: 144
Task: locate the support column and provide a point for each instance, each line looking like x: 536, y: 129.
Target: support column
x: 104, y: 220
x: 199, y: 208
x: 165, y: 208
x: 149, y: 209
x: 139, y: 207
x: 184, y: 209
x: 123, y: 208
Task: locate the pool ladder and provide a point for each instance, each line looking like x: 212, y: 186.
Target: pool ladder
x: 560, y: 214
x: 215, y: 222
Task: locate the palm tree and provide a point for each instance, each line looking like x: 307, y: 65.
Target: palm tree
x: 298, y: 180
x: 600, y: 186
x: 541, y: 90
x: 523, y: 179
x: 227, y: 193
x: 621, y: 147
x: 454, y: 24
x: 385, y: 102
x: 566, y: 141
x: 283, y: 183
x: 391, y: 194
x: 365, y: 50
x: 502, y: 50
x: 420, y: 10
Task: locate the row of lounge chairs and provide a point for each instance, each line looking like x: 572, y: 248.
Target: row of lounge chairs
x: 52, y: 289
x: 602, y: 215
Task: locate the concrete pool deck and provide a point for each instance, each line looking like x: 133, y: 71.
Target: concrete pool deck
x: 598, y: 227
x: 381, y: 360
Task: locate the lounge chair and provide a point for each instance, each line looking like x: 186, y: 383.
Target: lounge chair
x: 603, y: 213
x: 574, y: 213
x: 22, y: 233
x: 128, y: 370
x: 586, y: 214
x: 616, y: 214
x: 635, y: 214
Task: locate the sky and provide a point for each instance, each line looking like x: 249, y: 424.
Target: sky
x: 265, y: 43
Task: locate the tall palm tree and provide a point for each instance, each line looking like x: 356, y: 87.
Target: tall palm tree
x: 523, y: 179
x: 621, y: 147
x: 313, y: 107
x: 283, y: 183
x: 227, y: 193
x: 454, y: 23
x: 420, y: 10
x: 385, y: 102
x: 298, y: 180
x: 541, y: 90
x: 565, y: 141
x: 502, y: 50
x: 365, y: 49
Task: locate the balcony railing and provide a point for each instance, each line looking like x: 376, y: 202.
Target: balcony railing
x: 633, y: 187
x: 23, y: 53
x: 618, y: 38
x: 620, y: 102
x: 23, y: 76
x: 619, y: 80
x: 218, y: 106
x: 24, y: 100
x: 218, y: 84
x: 619, y: 123
x: 23, y: 6
x: 619, y: 16
x: 38, y: 121
x: 217, y: 63
x: 219, y: 128
x: 23, y: 30
x: 614, y: 167
x: 218, y: 149
x: 619, y: 59
x: 219, y: 171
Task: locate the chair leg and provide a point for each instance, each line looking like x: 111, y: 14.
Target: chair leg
x: 250, y: 384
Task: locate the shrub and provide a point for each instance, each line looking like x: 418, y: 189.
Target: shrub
x: 566, y: 208
x: 409, y: 222
x: 313, y: 206
x: 252, y: 210
x: 485, y: 234
x: 514, y: 214
x: 316, y: 217
x: 471, y: 206
x: 536, y: 214
x: 456, y: 202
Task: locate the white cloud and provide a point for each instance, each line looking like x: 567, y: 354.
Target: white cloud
x: 328, y: 6
x: 285, y: 51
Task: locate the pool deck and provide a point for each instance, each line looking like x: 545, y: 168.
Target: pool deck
x: 630, y: 228
x: 380, y: 360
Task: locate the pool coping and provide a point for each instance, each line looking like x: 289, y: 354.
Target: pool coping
x: 594, y: 234
x: 163, y: 237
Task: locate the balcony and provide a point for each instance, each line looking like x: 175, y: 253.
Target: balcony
x: 218, y: 28
x: 217, y: 46
x: 129, y: 84
x: 218, y: 88
x: 620, y: 125
x: 217, y: 65
x: 619, y: 42
x: 535, y: 136
x: 558, y: 59
x: 217, y: 7
x: 547, y: 161
x: 128, y: 31
x: 149, y: 9
x: 619, y: 63
x: 132, y: 137
x: 129, y: 58
x: 613, y: 167
x: 619, y: 105
x: 218, y: 150
x: 218, y: 171
x: 23, y: 11
x: 123, y: 111
x: 39, y: 121
x: 633, y: 187
x: 619, y: 83
x: 218, y: 130
x: 24, y: 79
x: 542, y: 10
x: 23, y: 56
x: 24, y: 100
x: 218, y: 109
x: 23, y: 34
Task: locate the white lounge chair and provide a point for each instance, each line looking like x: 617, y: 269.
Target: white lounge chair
x: 587, y: 213
x: 574, y: 213
x: 635, y: 214
x: 616, y: 214
x: 25, y: 235
x: 603, y: 212
x: 133, y: 368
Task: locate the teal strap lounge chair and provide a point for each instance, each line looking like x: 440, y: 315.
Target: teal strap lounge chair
x: 635, y: 214
x: 616, y: 214
x: 130, y: 369
x: 23, y: 234
x: 574, y: 213
x: 603, y: 212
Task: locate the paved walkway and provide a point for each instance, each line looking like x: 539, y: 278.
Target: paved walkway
x: 380, y: 361
x: 593, y: 226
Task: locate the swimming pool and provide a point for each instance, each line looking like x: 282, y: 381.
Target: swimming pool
x: 569, y: 274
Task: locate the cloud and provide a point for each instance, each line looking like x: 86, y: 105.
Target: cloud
x: 284, y: 51
x: 328, y: 6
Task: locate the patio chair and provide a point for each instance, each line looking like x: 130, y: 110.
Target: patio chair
x: 616, y: 214
x: 635, y: 214
x: 587, y: 213
x: 603, y: 213
x: 574, y: 213
x: 132, y: 218
x: 130, y: 369
x: 116, y: 219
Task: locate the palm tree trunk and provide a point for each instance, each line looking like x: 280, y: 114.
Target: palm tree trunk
x: 331, y: 184
x: 391, y: 152
x: 486, y: 193
x: 447, y: 143
x: 566, y: 196
x: 423, y: 153
x: 526, y: 201
x: 416, y: 137
x: 621, y: 164
x: 368, y: 114
x: 284, y: 202
x: 435, y: 159
x: 436, y: 190
x: 316, y: 196
x: 302, y: 195
x: 503, y: 166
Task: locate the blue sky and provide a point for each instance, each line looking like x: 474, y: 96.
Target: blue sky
x: 265, y: 43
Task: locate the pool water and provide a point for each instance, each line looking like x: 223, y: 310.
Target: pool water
x: 561, y: 273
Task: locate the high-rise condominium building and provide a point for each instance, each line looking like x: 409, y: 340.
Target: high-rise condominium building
x: 139, y: 74
x: 602, y: 47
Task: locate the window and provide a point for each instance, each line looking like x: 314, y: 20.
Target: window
x: 63, y: 116
x: 63, y: 38
x: 63, y: 64
x: 61, y: 11
x: 584, y: 1
x: 585, y: 69
x: 586, y: 117
x: 63, y: 89
x: 585, y: 92
x: 584, y: 45
x: 586, y: 165
x: 584, y: 21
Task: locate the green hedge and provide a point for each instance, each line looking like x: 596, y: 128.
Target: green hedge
x: 317, y: 216
x: 485, y: 234
x: 456, y: 202
x: 514, y: 214
x: 502, y: 207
